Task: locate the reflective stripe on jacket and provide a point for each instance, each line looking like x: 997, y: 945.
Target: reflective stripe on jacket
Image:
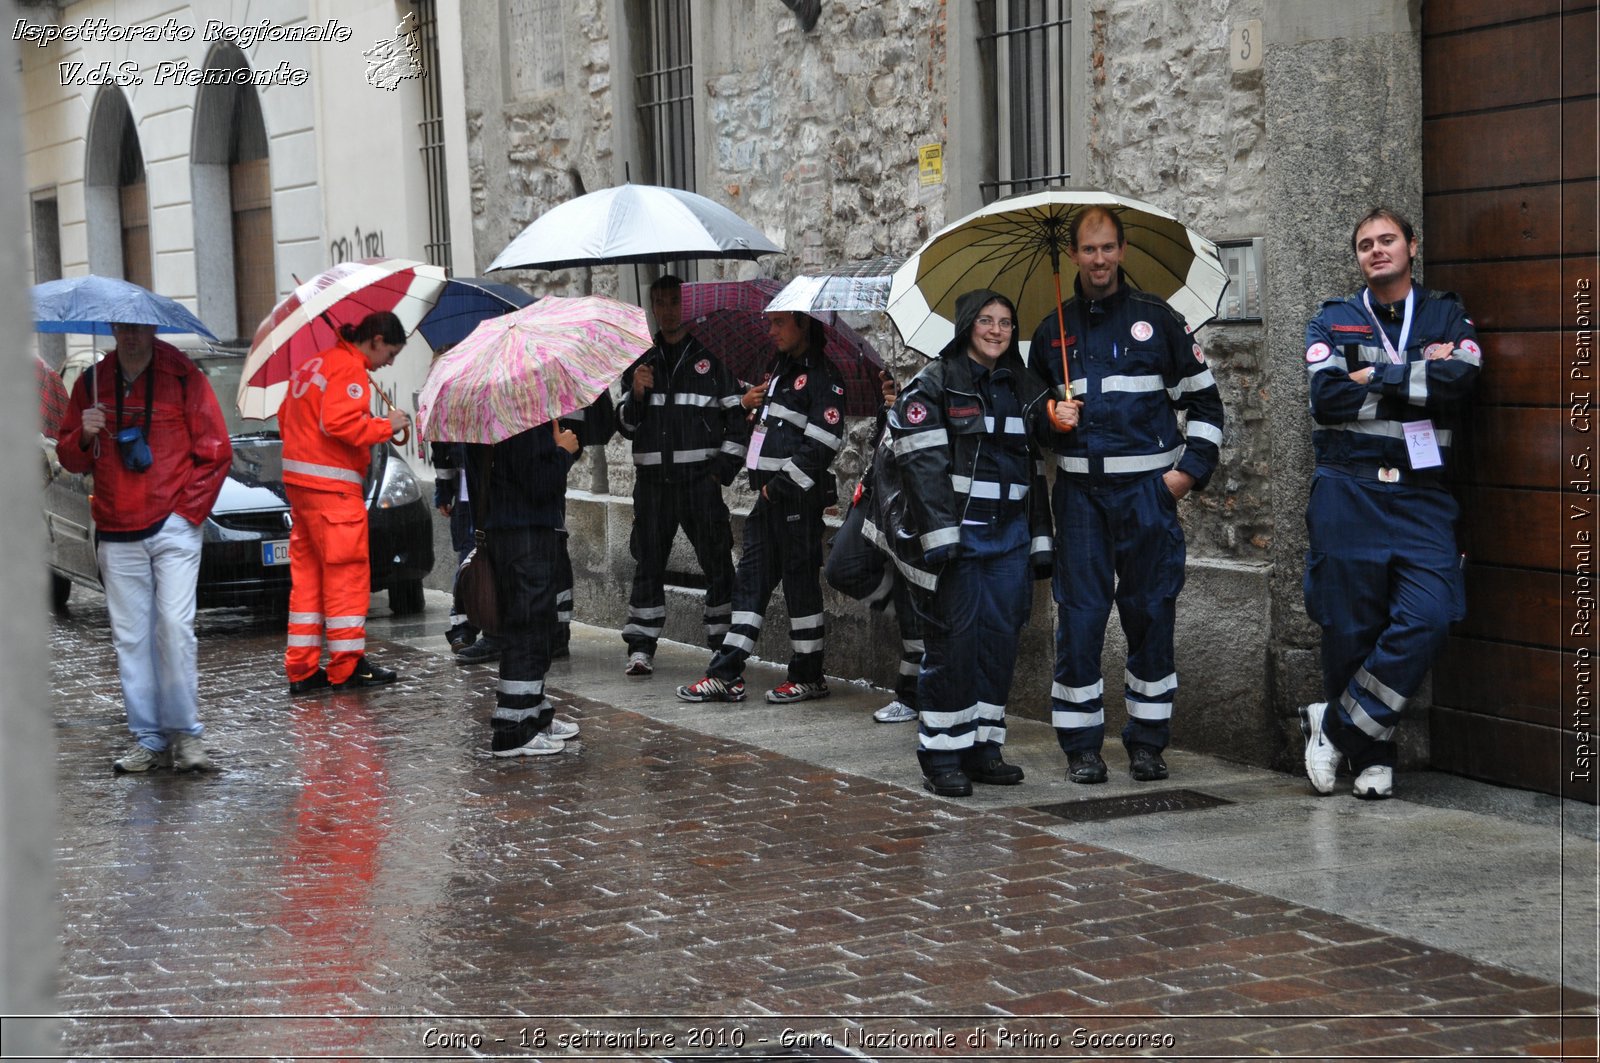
x: 1363, y: 424
x: 802, y: 420
x: 327, y: 424
x: 690, y: 417
x: 1135, y: 367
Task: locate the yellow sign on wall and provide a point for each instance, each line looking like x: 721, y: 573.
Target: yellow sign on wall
x: 930, y: 164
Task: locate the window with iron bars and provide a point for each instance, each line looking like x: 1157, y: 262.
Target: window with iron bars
x: 665, y: 95
x: 1026, y: 46
x: 437, y: 249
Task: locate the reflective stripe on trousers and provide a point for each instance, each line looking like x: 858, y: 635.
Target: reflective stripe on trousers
x: 782, y: 544
x: 1383, y: 580
x: 1130, y: 531
x: 970, y: 630
x: 330, y: 582
x: 660, y: 508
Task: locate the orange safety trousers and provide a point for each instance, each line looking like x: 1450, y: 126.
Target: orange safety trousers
x: 330, y: 582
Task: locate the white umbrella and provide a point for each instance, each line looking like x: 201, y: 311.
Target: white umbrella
x: 633, y: 223
x: 863, y: 286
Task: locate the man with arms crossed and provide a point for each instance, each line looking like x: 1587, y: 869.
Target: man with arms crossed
x: 1391, y: 368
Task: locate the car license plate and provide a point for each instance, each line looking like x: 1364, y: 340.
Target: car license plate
x: 275, y: 552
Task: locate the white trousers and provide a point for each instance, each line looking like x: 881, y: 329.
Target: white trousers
x: 150, y: 588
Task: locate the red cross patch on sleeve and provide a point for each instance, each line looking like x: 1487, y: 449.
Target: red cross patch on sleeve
x: 831, y: 415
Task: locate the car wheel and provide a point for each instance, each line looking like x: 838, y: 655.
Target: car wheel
x: 60, y: 591
x: 406, y: 598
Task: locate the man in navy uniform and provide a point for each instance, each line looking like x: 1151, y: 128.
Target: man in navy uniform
x: 681, y: 407
x: 799, y: 429
x: 1122, y: 466
x: 1391, y: 368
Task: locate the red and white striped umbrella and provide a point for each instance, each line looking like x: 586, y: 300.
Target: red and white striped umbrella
x: 307, y: 320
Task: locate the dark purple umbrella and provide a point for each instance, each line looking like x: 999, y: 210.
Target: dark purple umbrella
x: 729, y: 317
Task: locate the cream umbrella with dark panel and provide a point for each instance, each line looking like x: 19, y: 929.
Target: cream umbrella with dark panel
x: 1018, y: 247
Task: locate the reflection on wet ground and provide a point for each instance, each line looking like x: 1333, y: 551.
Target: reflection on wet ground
x: 359, y: 879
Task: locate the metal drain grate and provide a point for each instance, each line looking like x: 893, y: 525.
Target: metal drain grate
x: 1131, y: 805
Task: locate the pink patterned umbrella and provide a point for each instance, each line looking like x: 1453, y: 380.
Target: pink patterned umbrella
x: 306, y: 321
x: 529, y: 367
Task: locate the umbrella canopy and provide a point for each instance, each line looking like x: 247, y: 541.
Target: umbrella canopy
x: 1015, y: 245
x: 730, y: 318
x: 863, y: 286
x: 633, y: 223
x: 465, y: 303
x: 306, y: 322
x: 93, y: 304
x: 530, y: 367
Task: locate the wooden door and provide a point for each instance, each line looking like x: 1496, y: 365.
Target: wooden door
x: 1509, y: 183
x: 254, y: 275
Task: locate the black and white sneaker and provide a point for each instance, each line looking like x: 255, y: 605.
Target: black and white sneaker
x: 786, y: 692
x: 712, y: 689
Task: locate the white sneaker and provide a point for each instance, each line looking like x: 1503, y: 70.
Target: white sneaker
x: 1375, y: 783
x: 563, y: 730
x: 189, y: 754
x: 639, y: 663
x: 540, y: 745
x: 1322, y: 757
x: 896, y: 711
x: 143, y: 758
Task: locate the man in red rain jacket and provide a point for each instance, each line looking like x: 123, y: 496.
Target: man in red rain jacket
x: 146, y: 424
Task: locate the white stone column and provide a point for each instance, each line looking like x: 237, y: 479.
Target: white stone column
x: 1344, y: 127
x: 28, y: 917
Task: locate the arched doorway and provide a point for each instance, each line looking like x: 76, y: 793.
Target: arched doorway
x: 116, y: 203
x: 234, y: 251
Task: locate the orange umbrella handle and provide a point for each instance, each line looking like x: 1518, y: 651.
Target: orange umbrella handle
x: 1061, y: 334
x: 402, y: 437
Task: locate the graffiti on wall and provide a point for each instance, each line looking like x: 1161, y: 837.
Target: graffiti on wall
x: 358, y: 245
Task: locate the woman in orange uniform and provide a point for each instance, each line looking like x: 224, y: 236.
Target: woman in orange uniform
x: 328, y: 432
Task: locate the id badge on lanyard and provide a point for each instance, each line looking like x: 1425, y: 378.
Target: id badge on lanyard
x: 1422, y: 445
x: 752, y: 453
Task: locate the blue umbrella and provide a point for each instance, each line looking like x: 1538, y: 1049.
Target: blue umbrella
x: 93, y: 304
x: 465, y: 303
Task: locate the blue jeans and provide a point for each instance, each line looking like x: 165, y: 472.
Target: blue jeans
x: 150, y: 586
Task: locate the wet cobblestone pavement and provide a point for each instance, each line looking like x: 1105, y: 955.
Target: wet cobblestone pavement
x: 360, y: 879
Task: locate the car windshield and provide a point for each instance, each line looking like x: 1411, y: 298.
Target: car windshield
x: 223, y: 373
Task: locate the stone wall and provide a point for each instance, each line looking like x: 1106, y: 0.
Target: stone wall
x: 1169, y: 122
x: 814, y: 138
x: 1343, y: 86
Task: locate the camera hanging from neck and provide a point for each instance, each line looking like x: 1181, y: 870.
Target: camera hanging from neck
x: 149, y: 396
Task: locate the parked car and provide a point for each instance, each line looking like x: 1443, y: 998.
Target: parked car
x: 245, y: 556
